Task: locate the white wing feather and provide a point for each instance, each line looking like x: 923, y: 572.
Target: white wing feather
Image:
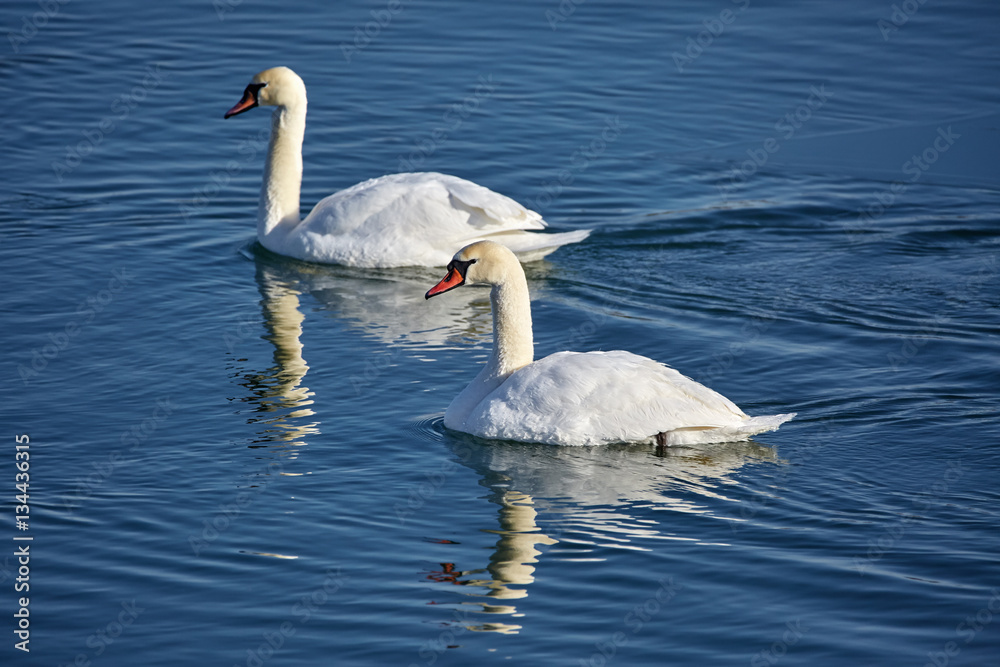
x: 572, y: 398
x: 418, y: 219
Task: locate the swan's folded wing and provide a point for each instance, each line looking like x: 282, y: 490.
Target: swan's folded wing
x: 420, y: 219
x: 430, y: 197
x: 498, y: 218
x: 599, y: 397
x: 489, y: 211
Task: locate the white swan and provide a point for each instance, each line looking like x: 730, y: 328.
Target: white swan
x: 413, y: 219
x: 574, y: 398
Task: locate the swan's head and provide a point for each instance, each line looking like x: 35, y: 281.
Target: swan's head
x: 275, y: 87
x: 480, y: 263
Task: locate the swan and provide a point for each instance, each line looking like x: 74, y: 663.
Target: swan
x: 576, y: 398
x: 410, y: 219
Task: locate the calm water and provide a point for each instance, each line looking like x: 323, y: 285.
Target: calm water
x: 238, y: 459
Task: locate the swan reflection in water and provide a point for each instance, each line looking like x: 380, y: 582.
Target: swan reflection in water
x: 387, y: 305
x: 280, y: 401
x: 556, y: 503
x: 577, y: 501
x: 510, y: 568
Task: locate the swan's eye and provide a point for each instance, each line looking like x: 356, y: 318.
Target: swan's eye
x: 460, y: 266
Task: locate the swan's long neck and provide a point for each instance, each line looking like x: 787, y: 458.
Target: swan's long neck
x: 278, y: 212
x: 513, y: 345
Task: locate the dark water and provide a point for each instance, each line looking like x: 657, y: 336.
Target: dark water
x: 237, y: 459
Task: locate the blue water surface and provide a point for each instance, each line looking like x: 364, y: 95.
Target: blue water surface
x: 239, y: 459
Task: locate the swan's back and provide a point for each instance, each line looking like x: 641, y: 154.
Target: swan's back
x: 572, y: 398
x: 417, y: 219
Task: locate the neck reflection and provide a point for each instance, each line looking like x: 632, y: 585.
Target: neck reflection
x: 280, y: 400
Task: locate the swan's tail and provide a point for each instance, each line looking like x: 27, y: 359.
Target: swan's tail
x: 742, y: 430
x: 756, y: 425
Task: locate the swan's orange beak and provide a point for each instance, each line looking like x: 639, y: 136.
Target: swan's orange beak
x: 247, y: 102
x: 449, y: 282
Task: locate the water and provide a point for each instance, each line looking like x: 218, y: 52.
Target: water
x: 238, y: 459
